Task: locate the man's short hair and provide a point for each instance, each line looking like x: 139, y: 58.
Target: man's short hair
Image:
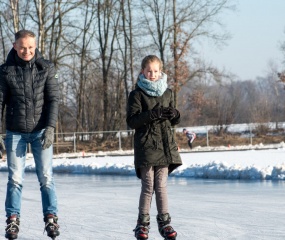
x: 24, y: 33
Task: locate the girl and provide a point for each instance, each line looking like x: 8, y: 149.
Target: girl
x: 151, y: 113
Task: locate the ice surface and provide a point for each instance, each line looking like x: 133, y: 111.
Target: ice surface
x: 206, y: 198
x: 105, y: 207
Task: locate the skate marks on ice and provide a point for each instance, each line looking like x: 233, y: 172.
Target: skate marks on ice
x: 105, y: 207
x: 222, y: 209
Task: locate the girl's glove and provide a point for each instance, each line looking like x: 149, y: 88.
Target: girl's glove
x: 173, y: 113
x: 159, y: 112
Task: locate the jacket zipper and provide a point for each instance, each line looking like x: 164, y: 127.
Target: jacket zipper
x: 32, y: 88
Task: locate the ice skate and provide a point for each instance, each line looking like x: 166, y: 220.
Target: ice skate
x: 51, y: 226
x: 164, y: 228
x: 12, y: 227
x: 142, y: 228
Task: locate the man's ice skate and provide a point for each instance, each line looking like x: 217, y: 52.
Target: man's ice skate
x: 164, y: 228
x: 142, y: 228
x: 51, y: 226
x: 12, y: 227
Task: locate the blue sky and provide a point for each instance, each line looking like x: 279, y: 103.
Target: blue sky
x: 257, y: 29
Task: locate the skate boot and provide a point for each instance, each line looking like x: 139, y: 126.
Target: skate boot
x: 164, y: 228
x: 12, y: 227
x: 142, y: 228
x: 51, y: 226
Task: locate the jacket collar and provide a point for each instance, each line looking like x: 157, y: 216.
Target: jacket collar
x: 14, y: 60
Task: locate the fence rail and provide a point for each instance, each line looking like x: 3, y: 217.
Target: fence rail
x: 106, y: 140
x: 209, y: 136
x: 240, y: 134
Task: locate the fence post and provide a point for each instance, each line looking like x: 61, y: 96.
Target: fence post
x: 74, y: 142
x: 250, y: 132
x: 207, y: 137
x: 120, y: 143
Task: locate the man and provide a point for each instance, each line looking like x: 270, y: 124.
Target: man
x: 191, y: 137
x: 29, y: 89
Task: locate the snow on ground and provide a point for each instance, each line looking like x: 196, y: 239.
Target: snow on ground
x: 241, y: 162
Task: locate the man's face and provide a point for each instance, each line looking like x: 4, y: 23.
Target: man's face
x: 25, y: 48
x: 152, y: 71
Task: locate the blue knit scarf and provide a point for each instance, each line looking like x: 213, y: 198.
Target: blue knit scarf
x: 153, y: 88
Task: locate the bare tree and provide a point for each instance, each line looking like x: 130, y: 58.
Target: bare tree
x: 178, y: 24
x: 89, y: 16
x: 108, y: 17
x: 48, y: 18
x: 127, y: 27
x: 17, y: 11
x: 2, y: 41
x: 191, y: 22
x: 97, y: 46
x: 158, y: 13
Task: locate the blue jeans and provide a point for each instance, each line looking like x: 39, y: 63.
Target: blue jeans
x: 16, y: 148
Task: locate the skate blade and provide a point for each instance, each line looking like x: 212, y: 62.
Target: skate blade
x: 171, y: 238
x: 141, y: 238
x: 12, y: 238
x: 53, y: 235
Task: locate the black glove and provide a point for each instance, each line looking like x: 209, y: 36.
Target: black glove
x: 156, y: 112
x: 2, y: 144
x: 159, y: 112
x: 48, y: 137
x: 173, y: 112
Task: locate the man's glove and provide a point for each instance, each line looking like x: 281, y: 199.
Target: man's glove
x: 48, y: 137
x: 2, y: 144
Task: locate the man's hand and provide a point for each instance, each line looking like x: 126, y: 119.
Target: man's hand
x: 48, y: 137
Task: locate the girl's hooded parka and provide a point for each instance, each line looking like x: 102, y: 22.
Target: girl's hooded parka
x: 154, y: 143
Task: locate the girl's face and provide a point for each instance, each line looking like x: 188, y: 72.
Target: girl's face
x: 152, y: 71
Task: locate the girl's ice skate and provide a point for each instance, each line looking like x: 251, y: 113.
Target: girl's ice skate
x: 142, y: 228
x: 164, y: 228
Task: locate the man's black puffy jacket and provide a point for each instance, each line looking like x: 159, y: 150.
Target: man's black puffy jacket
x: 30, y: 92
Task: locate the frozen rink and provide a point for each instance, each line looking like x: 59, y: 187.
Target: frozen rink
x: 105, y: 207
x: 102, y: 203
